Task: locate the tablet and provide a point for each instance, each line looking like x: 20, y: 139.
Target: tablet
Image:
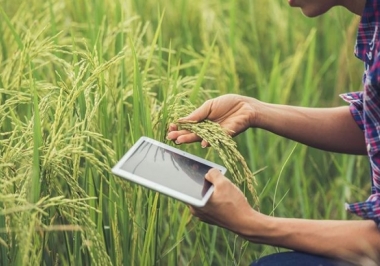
x: 168, y: 170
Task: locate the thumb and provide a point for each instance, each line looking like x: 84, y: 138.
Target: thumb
x: 213, y: 175
x: 197, y: 115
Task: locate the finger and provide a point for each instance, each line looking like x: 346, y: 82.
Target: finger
x: 184, y: 136
x: 174, y: 132
x: 199, y: 114
x: 173, y: 135
x: 204, y: 144
x: 172, y: 127
x: 214, y: 175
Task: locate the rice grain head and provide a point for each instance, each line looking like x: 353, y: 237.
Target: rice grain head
x: 219, y: 140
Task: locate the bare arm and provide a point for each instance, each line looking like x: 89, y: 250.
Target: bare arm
x: 331, y: 129
x: 349, y: 240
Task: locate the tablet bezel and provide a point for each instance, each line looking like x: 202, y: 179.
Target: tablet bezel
x: 117, y: 170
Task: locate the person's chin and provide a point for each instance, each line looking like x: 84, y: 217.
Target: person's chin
x: 293, y: 3
x: 313, y: 12
x: 310, y: 14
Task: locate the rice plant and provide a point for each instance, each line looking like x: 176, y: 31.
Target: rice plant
x: 80, y: 81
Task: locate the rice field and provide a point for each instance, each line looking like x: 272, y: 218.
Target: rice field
x: 81, y: 81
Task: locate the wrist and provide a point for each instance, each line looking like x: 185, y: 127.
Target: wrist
x: 257, y: 116
x: 257, y: 227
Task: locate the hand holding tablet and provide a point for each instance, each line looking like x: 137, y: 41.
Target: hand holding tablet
x: 168, y: 170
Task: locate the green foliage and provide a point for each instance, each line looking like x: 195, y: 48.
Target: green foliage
x: 220, y: 142
x: 80, y: 81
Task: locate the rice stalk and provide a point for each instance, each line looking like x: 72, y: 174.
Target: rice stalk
x: 117, y: 250
x: 219, y: 140
x: 65, y: 141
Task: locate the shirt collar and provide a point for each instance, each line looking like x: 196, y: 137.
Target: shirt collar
x: 368, y: 31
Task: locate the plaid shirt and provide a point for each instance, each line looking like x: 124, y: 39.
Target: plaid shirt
x: 365, y: 105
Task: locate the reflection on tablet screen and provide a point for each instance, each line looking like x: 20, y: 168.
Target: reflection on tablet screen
x: 168, y: 168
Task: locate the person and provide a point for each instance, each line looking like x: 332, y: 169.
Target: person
x: 352, y: 129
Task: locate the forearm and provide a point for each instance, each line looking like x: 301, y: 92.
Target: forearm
x: 331, y: 129
x: 348, y: 240
x: 228, y: 208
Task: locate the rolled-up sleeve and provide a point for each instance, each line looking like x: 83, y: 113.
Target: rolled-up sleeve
x: 364, y: 115
x: 365, y: 105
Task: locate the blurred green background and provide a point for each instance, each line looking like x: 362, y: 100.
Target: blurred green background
x: 81, y: 80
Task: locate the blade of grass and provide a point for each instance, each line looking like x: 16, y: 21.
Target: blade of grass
x: 152, y: 47
x: 195, y: 91
x: 12, y: 29
x: 3, y: 238
x: 35, y: 191
x: 280, y: 174
x: 146, y: 257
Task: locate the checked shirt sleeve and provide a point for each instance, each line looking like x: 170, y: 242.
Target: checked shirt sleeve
x: 365, y: 105
x: 369, y: 209
x: 365, y: 109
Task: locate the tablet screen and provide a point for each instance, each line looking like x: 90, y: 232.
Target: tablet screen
x: 169, y: 169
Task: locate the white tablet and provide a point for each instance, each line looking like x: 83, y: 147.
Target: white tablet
x: 168, y: 170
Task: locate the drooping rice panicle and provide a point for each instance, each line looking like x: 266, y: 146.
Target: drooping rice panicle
x: 219, y: 140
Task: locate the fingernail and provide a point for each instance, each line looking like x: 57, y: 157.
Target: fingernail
x: 177, y: 142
